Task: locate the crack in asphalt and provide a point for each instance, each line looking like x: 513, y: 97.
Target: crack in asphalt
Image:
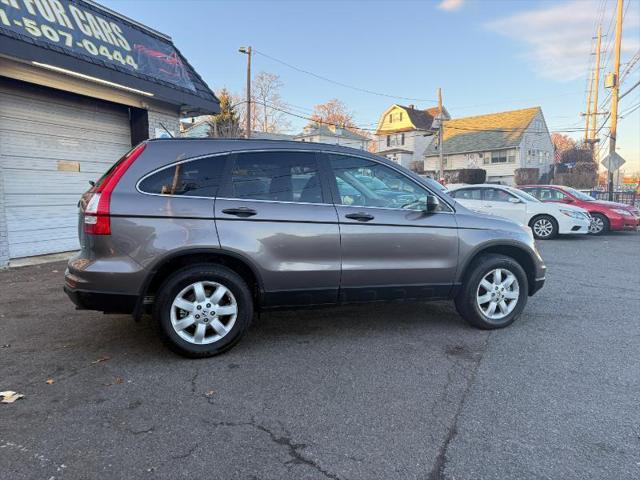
x: 185, y: 455
x: 293, y: 449
x: 139, y: 432
x: 440, y: 464
x: 193, y: 380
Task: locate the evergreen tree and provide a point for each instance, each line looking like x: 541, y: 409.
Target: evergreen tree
x: 226, y: 123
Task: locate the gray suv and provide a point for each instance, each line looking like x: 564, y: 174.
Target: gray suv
x: 202, y: 233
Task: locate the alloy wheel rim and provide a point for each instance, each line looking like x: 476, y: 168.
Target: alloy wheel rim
x: 543, y: 227
x: 203, y: 312
x: 596, y: 225
x: 498, y: 294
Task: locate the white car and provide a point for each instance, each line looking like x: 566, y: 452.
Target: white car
x: 545, y: 219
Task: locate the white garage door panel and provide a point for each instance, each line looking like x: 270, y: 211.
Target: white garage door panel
x: 45, y: 164
x: 46, y: 182
x: 29, y: 249
x: 36, y: 107
x: 24, y: 219
x: 47, y: 201
x: 38, y: 128
x: 67, y: 133
x: 60, y: 148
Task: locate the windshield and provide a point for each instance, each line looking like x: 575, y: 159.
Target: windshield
x: 579, y: 195
x: 524, y: 195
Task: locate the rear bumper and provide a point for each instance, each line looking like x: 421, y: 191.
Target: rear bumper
x: 101, y: 301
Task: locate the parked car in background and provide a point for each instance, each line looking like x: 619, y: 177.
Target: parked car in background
x: 201, y: 233
x: 546, y: 220
x: 607, y: 216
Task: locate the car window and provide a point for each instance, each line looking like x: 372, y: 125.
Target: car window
x: 551, y: 194
x: 195, y: 178
x: 496, y: 195
x: 276, y: 176
x: 467, y: 194
x: 364, y: 182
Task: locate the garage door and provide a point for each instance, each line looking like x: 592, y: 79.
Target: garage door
x: 45, y: 135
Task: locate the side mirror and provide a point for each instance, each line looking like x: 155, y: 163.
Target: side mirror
x: 569, y: 199
x: 515, y: 200
x: 432, y: 203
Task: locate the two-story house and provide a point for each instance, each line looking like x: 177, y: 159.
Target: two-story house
x: 498, y: 143
x: 332, y: 134
x: 404, y: 132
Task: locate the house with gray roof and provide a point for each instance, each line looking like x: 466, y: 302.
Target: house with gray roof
x: 498, y: 143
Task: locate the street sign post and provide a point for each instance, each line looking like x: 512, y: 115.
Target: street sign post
x: 612, y: 162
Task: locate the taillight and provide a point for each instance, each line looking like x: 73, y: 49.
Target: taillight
x: 98, y: 200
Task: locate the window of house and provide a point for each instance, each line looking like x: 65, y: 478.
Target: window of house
x: 511, y: 156
x: 196, y: 178
x: 390, y: 118
x: 402, y: 139
x: 276, y: 176
x: 499, y: 157
x: 388, y: 140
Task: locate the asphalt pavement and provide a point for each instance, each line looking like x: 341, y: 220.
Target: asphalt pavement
x: 393, y: 391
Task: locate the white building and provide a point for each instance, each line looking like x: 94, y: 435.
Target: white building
x: 404, y: 133
x: 498, y: 143
x: 333, y: 135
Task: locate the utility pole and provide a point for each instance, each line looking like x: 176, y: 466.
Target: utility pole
x: 247, y: 51
x: 440, y: 137
x: 614, y: 92
x: 596, y: 87
x: 587, y: 115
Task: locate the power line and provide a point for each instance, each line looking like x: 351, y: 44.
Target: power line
x: 345, y: 85
x: 362, y: 128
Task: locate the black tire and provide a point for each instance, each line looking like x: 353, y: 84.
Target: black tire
x: 465, y: 301
x: 598, y: 217
x: 544, y: 220
x: 181, y: 279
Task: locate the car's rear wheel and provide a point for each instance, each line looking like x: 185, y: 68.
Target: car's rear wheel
x: 494, y: 292
x: 544, y: 227
x: 599, y: 224
x: 203, y: 310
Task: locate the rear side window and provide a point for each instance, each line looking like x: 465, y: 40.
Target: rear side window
x: 467, y: 194
x: 496, y: 195
x: 276, y: 176
x: 195, y: 178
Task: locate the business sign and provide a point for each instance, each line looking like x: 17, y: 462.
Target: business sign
x: 77, y: 27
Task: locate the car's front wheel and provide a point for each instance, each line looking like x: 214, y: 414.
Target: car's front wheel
x: 599, y: 224
x: 203, y: 310
x: 544, y: 227
x: 494, y: 292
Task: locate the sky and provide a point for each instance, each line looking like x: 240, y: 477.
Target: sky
x: 486, y: 55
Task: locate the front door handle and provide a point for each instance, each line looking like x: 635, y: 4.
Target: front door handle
x: 240, y: 212
x: 360, y: 216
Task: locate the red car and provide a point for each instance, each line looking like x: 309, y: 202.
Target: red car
x: 606, y: 216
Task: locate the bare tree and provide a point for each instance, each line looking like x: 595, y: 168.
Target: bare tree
x: 333, y: 112
x: 267, y: 107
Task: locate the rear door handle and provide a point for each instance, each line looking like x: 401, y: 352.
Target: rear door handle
x: 240, y: 212
x: 360, y: 216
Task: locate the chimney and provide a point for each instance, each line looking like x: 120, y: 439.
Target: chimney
x: 412, y: 106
